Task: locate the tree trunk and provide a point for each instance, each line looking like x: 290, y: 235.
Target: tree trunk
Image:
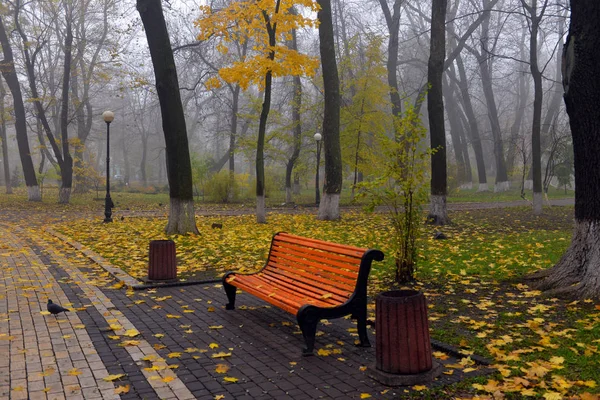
x: 329, y: 206
x: 435, y: 109
x: 485, y: 68
x: 179, y: 168
x: 262, y: 125
x: 577, y: 274
x: 465, y: 148
x: 473, y: 128
x: 78, y: 161
x: 455, y: 128
x: 297, y: 141
x: 521, y: 101
x: 143, y: 160
x: 126, y: 163
x: 5, y: 164
x: 66, y: 168
x: 296, y: 186
x: 393, y: 24
x: 12, y: 81
x: 232, y: 138
x: 260, y: 152
x: 536, y: 146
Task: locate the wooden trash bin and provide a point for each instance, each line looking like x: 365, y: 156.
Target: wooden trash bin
x: 403, y: 347
x: 162, y: 265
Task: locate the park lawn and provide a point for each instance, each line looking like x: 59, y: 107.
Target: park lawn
x: 541, y: 347
x: 153, y: 199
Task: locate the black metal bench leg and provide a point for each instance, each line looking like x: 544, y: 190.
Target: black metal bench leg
x: 230, y: 292
x: 361, y: 318
x: 308, y: 320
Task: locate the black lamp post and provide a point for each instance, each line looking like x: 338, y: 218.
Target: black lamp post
x: 108, y: 116
x: 318, y: 138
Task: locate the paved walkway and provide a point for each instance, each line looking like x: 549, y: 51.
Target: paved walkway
x: 167, y: 343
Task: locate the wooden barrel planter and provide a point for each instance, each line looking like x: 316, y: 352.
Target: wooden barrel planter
x: 162, y: 265
x: 403, y: 346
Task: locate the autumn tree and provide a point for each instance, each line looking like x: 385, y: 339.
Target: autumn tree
x: 577, y: 274
x: 31, y: 51
x: 364, y: 117
x: 91, y: 39
x: 182, y: 217
x: 267, y: 25
x: 400, y: 189
x: 10, y: 76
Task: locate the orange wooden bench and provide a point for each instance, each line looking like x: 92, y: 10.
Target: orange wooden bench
x: 313, y: 279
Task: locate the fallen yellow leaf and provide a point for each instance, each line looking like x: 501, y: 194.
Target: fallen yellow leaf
x: 131, y: 332
x: 111, y: 378
x: 122, y: 389
x: 221, y: 369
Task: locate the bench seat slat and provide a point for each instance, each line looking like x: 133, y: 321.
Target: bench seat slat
x: 308, y: 277
x: 317, y: 287
x: 278, y: 294
x: 289, y: 237
x: 326, y: 246
x: 268, y: 284
x: 318, y: 259
x: 314, y: 269
x: 296, y: 294
x: 309, y: 289
x: 328, y: 257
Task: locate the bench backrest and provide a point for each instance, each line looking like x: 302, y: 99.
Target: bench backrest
x: 329, y: 269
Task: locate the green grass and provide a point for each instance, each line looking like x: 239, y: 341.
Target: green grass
x: 513, y: 194
x: 276, y: 198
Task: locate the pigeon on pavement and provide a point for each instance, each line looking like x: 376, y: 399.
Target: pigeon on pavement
x: 55, y: 308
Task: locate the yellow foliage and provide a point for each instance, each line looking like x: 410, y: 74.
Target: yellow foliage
x: 248, y: 22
